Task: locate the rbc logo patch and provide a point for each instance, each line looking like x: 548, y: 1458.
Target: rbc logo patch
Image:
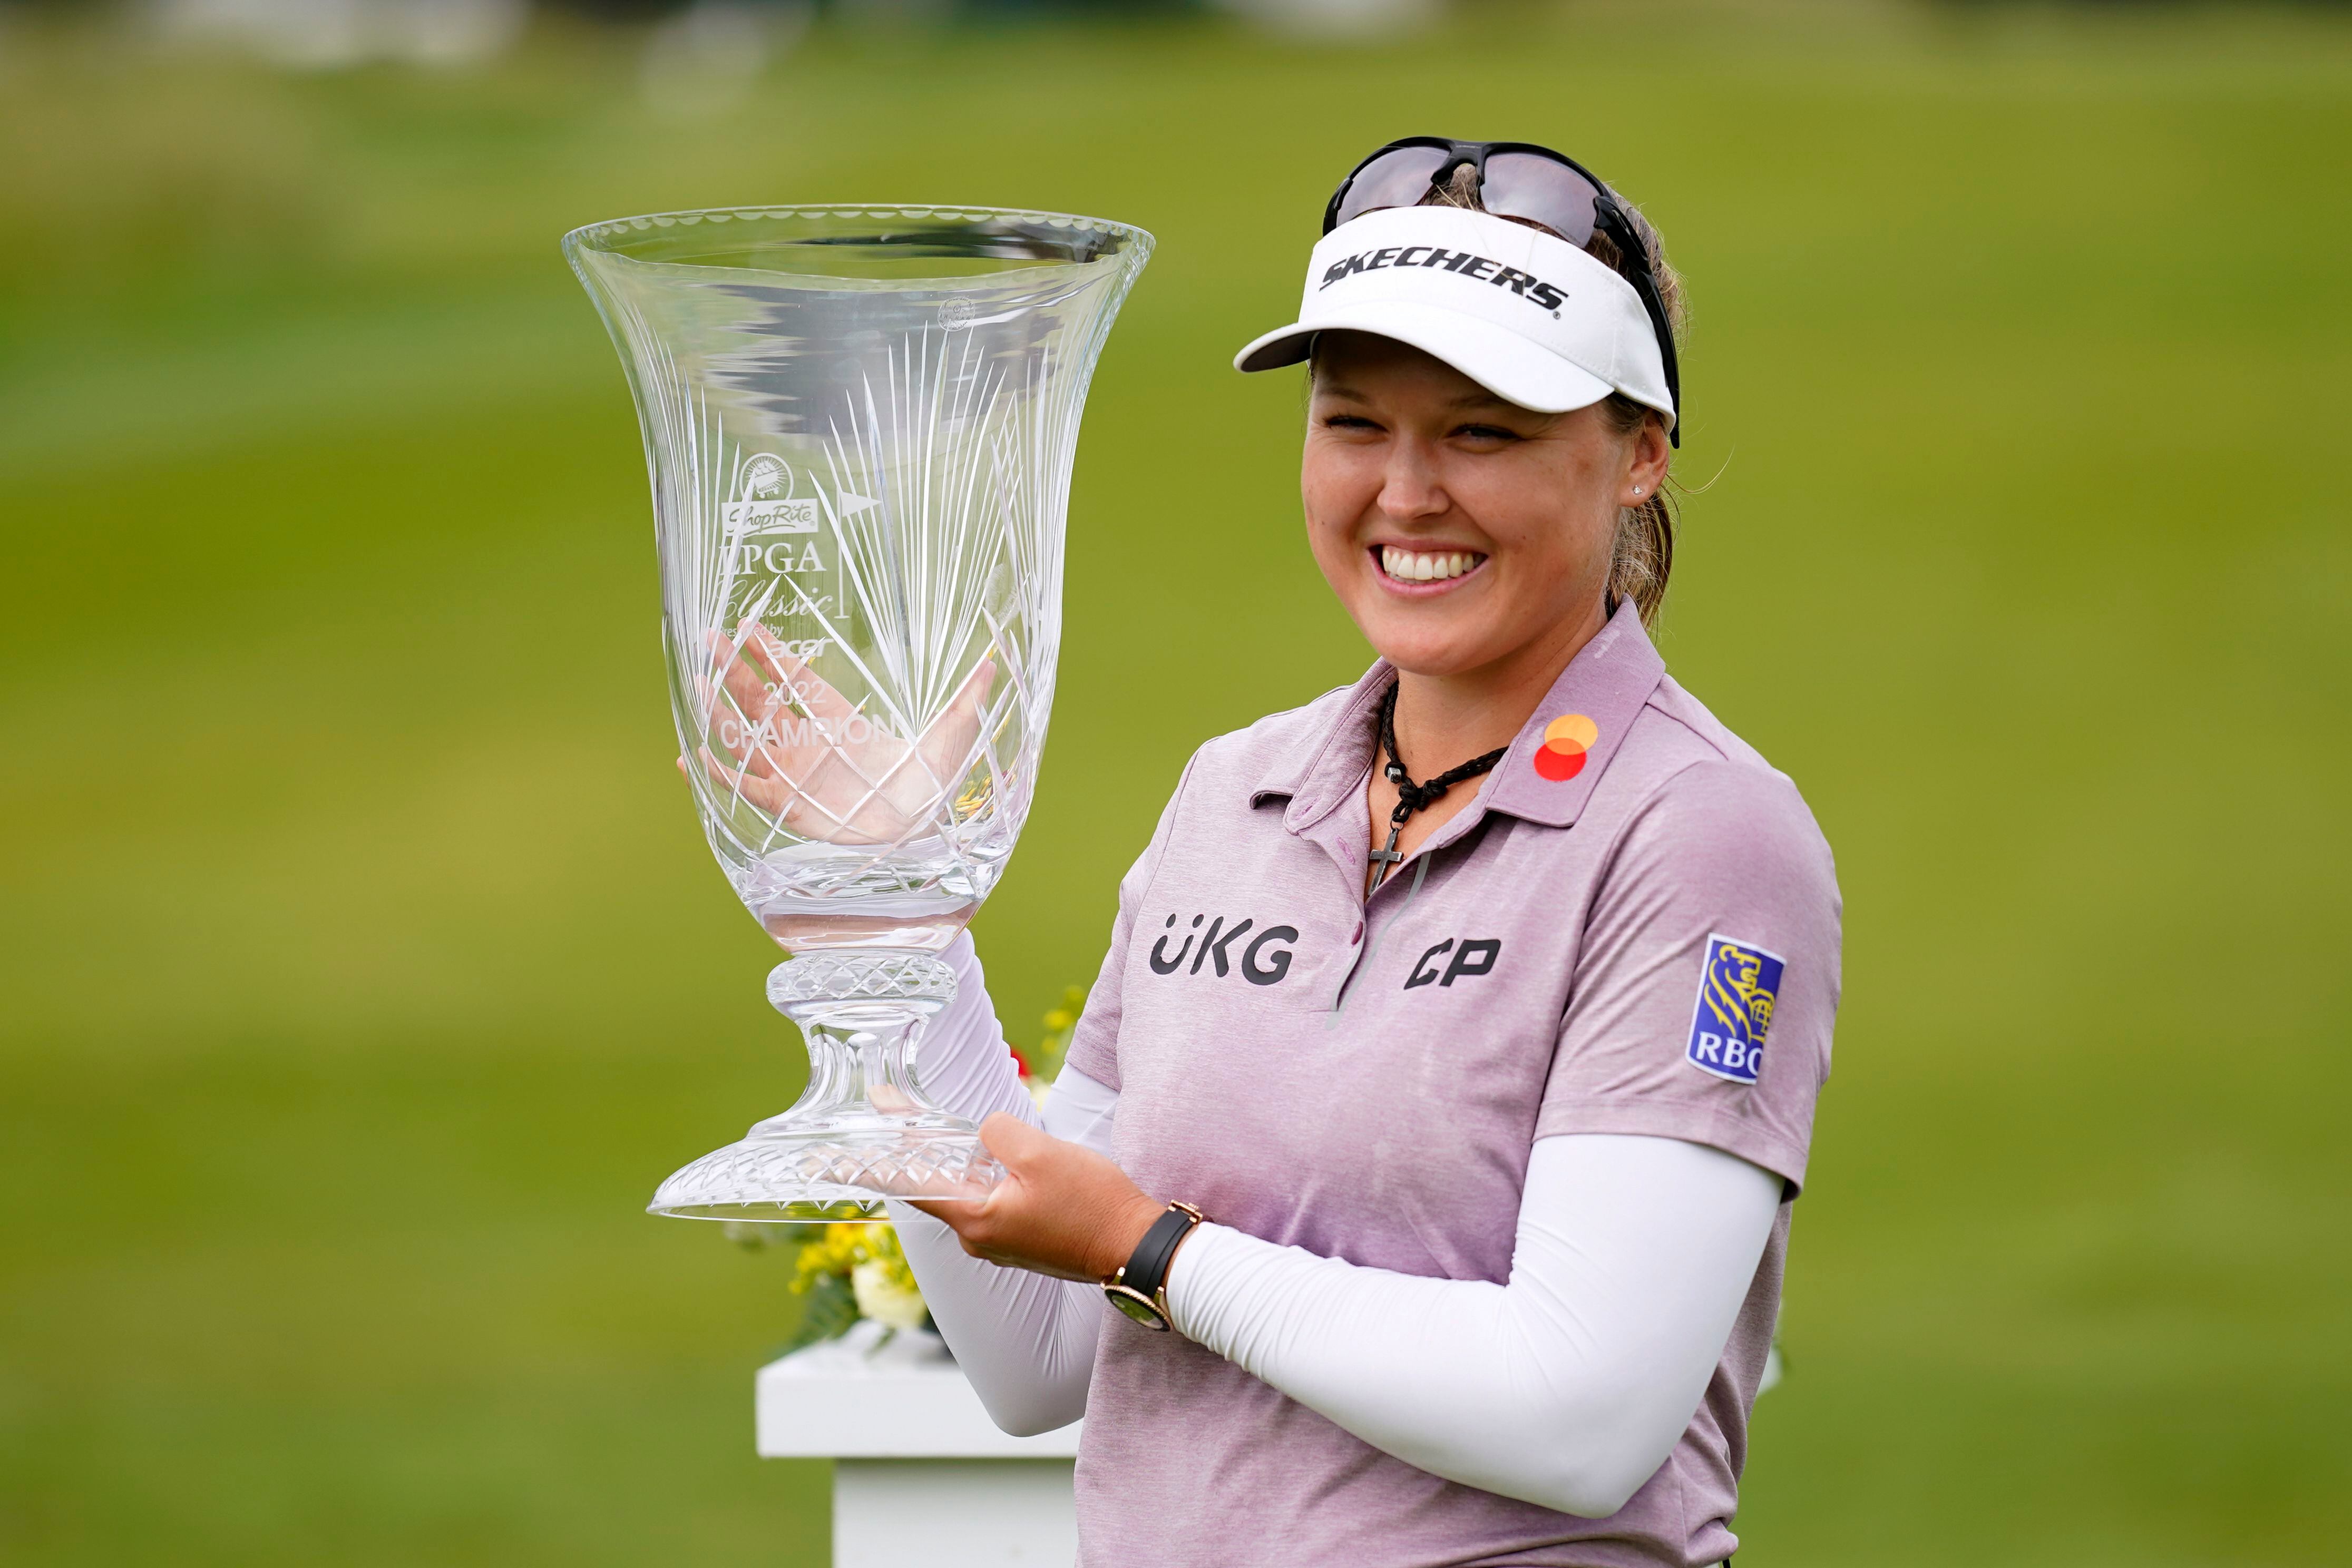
x: 1736, y: 987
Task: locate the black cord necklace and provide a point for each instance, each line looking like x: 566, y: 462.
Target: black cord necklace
x: 1412, y: 797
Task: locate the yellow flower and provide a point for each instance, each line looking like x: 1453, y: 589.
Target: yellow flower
x: 1045, y: 1061
x: 870, y: 1258
x: 831, y: 1253
x: 882, y: 1296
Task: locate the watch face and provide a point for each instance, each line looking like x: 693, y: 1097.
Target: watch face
x: 1136, y: 1307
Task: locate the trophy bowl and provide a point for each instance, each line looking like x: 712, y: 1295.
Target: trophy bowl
x: 859, y: 426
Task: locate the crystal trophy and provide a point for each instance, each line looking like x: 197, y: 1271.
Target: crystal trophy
x: 859, y: 423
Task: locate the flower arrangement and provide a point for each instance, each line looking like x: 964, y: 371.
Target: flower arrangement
x: 847, y: 1271
x: 1042, y: 1063
x: 856, y: 1269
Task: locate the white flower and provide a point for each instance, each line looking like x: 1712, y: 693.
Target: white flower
x: 884, y: 1299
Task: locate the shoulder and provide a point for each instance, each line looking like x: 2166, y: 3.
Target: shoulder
x: 1697, y: 796
x: 1271, y: 755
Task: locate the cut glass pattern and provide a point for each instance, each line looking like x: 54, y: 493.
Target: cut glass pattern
x: 859, y: 426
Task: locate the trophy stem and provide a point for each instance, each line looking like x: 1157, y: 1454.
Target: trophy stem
x: 863, y: 1130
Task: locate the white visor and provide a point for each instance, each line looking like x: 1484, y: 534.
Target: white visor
x: 1525, y: 314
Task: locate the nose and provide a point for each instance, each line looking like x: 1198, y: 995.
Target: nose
x: 1410, y: 487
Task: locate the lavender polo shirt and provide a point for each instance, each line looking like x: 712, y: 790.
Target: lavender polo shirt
x: 1633, y: 929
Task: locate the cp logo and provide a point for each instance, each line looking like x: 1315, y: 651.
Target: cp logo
x: 1470, y: 961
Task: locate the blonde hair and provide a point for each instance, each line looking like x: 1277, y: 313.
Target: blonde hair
x: 1643, y: 556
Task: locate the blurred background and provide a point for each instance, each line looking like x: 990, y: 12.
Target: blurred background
x: 362, y: 967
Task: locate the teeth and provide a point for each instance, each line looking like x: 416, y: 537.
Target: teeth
x: 1418, y: 566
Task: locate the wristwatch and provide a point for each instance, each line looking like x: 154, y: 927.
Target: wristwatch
x: 1139, y: 1288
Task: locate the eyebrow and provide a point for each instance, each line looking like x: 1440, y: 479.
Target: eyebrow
x: 1479, y: 399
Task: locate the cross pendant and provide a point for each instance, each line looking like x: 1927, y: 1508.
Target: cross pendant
x: 1387, y: 855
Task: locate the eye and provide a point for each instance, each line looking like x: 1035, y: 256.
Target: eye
x: 1347, y: 422
x: 1488, y: 432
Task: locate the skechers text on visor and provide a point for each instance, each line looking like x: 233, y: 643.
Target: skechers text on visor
x: 1527, y: 315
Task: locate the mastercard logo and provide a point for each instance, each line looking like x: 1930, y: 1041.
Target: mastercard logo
x: 1567, y: 739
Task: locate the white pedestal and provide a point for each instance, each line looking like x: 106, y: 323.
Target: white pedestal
x: 921, y: 1477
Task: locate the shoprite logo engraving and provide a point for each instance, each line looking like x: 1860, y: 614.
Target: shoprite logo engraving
x: 768, y: 505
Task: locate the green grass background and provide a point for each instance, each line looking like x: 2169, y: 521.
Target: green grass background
x: 361, y: 967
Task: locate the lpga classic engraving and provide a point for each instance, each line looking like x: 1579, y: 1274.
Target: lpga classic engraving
x: 768, y: 529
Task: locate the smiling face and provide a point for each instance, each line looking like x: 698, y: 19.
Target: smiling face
x: 1466, y: 535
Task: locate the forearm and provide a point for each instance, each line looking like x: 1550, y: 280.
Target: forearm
x: 1568, y: 1386
x: 1026, y: 1342
x: 961, y: 1060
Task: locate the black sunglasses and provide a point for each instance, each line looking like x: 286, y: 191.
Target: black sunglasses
x: 1516, y: 180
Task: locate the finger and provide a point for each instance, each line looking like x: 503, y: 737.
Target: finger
x: 747, y: 683
x: 963, y: 708
x: 947, y: 740
x: 724, y: 655
x: 725, y: 775
x: 709, y: 701
x: 975, y: 684
x: 760, y: 645
x: 759, y: 729
x: 1013, y: 1142
x: 917, y: 779
x: 963, y: 1219
x: 792, y: 675
x: 774, y: 796
x: 753, y: 746
x: 965, y: 1207
x: 733, y: 686
x: 980, y: 1229
x: 722, y: 651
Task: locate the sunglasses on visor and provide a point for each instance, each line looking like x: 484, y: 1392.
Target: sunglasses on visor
x: 1516, y: 180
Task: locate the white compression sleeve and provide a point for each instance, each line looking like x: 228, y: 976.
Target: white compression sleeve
x: 1025, y: 1342
x: 1566, y: 1387
x: 962, y: 1060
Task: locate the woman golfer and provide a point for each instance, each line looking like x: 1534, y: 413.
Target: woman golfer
x: 1419, y: 1183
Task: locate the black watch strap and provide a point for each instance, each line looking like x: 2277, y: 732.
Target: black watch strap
x: 1147, y: 1270
x: 1139, y: 1287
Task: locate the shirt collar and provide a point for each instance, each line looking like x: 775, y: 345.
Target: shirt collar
x: 1607, y: 683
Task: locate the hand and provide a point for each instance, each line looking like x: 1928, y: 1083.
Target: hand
x: 1062, y: 1208
x: 808, y: 756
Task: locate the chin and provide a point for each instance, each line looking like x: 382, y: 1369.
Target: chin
x: 1428, y: 652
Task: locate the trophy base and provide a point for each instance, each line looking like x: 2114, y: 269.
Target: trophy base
x: 815, y: 1178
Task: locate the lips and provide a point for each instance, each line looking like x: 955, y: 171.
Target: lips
x: 1426, y: 566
